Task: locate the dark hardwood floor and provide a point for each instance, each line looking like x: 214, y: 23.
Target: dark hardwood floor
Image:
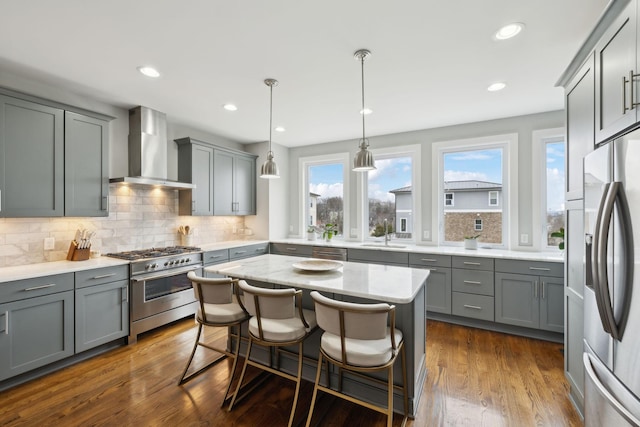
x: 475, y: 378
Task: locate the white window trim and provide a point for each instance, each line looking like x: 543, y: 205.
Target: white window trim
x: 539, y: 139
x: 497, y: 203
x: 475, y: 224
x: 406, y: 221
x: 413, y: 151
x: 509, y: 143
x: 453, y: 198
x: 303, y: 164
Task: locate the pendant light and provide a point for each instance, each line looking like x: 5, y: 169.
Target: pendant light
x: 269, y: 168
x: 363, y: 162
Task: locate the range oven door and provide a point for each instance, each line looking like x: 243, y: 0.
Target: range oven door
x: 156, y: 293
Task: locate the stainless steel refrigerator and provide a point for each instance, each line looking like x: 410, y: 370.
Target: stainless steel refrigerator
x: 612, y: 290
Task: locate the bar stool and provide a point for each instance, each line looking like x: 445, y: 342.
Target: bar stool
x: 219, y: 305
x: 277, y: 320
x: 357, y: 339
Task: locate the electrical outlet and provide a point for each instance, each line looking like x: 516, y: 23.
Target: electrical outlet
x: 49, y: 243
x: 426, y: 235
x: 524, y: 238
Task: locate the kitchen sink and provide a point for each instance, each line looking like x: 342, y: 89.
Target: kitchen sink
x: 382, y: 245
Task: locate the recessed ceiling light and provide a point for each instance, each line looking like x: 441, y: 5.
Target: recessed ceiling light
x: 366, y: 111
x: 149, y: 71
x: 279, y: 129
x: 230, y: 107
x: 509, y: 31
x: 496, y: 87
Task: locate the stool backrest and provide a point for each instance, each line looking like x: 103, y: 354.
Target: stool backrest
x: 269, y: 303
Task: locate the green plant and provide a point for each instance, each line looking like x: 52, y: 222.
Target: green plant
x: 379, y: 230
x: 329, y: 231
x: 472, y: 237
x: 560, y: 235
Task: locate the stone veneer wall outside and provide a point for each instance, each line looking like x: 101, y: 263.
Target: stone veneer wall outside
x: 139, y: 217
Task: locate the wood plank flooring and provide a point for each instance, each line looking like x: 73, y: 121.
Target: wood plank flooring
x: 475, y: 378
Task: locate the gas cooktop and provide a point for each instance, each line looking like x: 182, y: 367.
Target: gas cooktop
x: 154, y: 252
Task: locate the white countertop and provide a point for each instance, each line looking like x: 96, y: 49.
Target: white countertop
x: 550, y: 256
x: 28, y: 271
x: 398, y: 285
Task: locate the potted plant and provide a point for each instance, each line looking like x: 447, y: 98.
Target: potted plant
x: 471, y: 242
x: 311, y: 232
x: 560, y: 235
x: 329, y: 231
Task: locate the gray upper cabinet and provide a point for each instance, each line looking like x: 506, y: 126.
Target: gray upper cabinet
x: 234, y: 183
x: 86, y: 167
x: 31, y: 159
x: 616, y: 94
x: 195, y: 165
x: 580, y: 117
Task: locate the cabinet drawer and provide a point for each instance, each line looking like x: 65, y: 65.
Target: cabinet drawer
x: 378, y: 257
x: 249, y: 251
x: 473, y: 282
x: 99, y: 276
x: 429, y: 260
x: 472, y: 263
x: 470, y: 305
x: 539, y: 268
x: 38, y: 286
x: 215, y: 257
x: 288, y: 249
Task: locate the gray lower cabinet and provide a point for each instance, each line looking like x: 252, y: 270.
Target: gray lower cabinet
x: 31, y: 159
x: 438, y: 295
x: 234, y: 183
x: 378, y: 257
x: 294, y: 250
x: 36, y: 323
x: 472, y: 287
x: 248, y: 251
x: 214, y: 257
x: 195, y: 165
x: 101, y: 306
x: 86, y: 165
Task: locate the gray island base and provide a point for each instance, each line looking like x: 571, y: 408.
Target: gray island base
x: 403, y: 287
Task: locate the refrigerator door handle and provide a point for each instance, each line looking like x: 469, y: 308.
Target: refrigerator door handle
x: 599, y: 259
x: 626, y: 258
x: 590, y: 371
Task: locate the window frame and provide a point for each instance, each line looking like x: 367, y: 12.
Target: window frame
x: 540, y: 138
x: 509, y: 144
x: 303, y: 166
x: 497, y: 203
x: 452, y: 199
x: 476, y: 223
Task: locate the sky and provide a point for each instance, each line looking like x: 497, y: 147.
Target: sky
x: 482, y: 165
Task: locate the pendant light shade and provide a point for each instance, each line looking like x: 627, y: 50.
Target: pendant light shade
x: 363, y: 161
x: 269, y: 168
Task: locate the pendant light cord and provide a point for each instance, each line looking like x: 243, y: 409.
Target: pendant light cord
x: 364, y: 141
x: 270, y: 114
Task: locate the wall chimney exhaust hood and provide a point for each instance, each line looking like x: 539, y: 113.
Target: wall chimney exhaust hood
x: 148, y: 151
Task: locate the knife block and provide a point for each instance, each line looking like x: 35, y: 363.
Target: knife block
x: 76, y: 254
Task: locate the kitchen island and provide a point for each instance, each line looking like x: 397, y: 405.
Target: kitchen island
x: 403, y: 287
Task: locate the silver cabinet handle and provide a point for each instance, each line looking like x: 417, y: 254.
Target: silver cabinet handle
x: 193, y: 206
x: 542, y: 289
x: 471, y: 263
x: 474, y: 307
x: 215, y: 256
x: 428, y: 260
x: 472, y: 282
x: 0, y: 200
x: 103, y: 276
x: 35, y: 288
x: 624, y: 95
x: 6, y: 322
x: 105, y: 203
x: 539, y: 268
x: 240, y: 252
x: 535, y: 289
x: 125, y: 294
x: 292, y: 249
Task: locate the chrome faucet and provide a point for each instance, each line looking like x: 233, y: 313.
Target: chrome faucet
x: 386, y: 233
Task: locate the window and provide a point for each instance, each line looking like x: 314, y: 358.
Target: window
x: 448, y: 199
x: 493, y: 198
x: 390, y: 195
x: 480, y: 172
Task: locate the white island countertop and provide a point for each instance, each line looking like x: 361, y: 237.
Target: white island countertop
x: 391, y: 284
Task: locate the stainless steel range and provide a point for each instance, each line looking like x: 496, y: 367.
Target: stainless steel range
x: 160, y: 291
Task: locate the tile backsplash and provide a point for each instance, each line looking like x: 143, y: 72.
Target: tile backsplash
x: 139, y: 217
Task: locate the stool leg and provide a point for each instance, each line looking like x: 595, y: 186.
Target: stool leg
x: 236, y: 355
x: 390, y: 398
x: 244, y: 370
x: 298, y: 381
x: 404, y: 385
x: 315, y: 390
x: 193, y: 352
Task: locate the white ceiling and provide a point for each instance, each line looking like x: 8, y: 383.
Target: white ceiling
x: 430, y: 66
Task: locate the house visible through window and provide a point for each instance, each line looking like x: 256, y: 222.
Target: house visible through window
x: 493, y: 198
x: 403, y: 224
x: 448, y: 199
x: 478, y: 224
x: 325, y: 194
x: 554, y: 151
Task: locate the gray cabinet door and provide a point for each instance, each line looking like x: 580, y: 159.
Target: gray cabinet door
x: 615, y: 56
x: 223, y: 197
x: 35, y: 332
x: 101, y: 314
x: 551, y: 304
x: 516, y: 300
x: 195, y: 165
x: 31, y: 159
x: 439, y: 290
x: 244, y: 185
x: 86, y: 167
x: 580, y: 105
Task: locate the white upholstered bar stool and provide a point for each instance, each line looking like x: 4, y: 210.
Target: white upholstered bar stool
x: 277, y: 320
x: 357, y: 338
x: 219, y: 305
